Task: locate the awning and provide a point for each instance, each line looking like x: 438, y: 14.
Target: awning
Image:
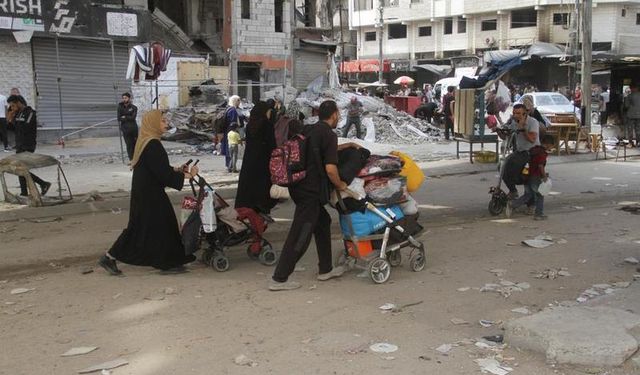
x: 364, y: 66
x: 440, y: 70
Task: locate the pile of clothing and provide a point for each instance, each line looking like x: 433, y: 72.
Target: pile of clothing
x: 384, y: 180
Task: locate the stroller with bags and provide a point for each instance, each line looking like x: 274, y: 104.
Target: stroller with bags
x: 231, y: 228
x: 380, y: 251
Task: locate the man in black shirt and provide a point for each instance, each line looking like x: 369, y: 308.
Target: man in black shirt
x: 127, y: 114
x: 25, y: 124
x: 310, y: 195
x: 448, y: 103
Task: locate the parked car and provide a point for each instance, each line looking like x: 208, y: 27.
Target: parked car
x: 556, y: 107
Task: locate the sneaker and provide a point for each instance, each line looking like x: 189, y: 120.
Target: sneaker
x: 508, y: 209
x: 540, y: 217
x: 335, y: 272
x: 109, y: 265
x: 45, y: 187
x: 7, y: 149
x: 531, y: 210
x: 287, y: 285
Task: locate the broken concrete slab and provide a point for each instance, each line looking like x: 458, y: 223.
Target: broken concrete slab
x: 580, y: 335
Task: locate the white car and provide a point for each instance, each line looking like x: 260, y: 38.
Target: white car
x: 552, y: 105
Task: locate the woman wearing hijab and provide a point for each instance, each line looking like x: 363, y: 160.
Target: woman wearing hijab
x: 255, y: 178
x: 152, y: 237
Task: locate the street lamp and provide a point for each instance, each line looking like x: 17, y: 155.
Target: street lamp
x: 381, y: 34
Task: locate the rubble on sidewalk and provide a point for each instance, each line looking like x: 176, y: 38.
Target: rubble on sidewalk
x: 195, y: 121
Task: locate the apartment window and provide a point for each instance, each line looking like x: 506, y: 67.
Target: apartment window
x: 524, y: 18
x: 245, y: 7
x: 370, y: 36
x: 601, y: 46
x: 416, y: 1
x: 448, y: 26
x: 363, y: 5
x: 489, y: 25
x: 624, y: 12
x: 637, y: 18
x: 462, y: 25
x: 561, y: 19
x: 391, y: 3
x: 397, y: 31
x: 424, y: 31
x: 277, y: 12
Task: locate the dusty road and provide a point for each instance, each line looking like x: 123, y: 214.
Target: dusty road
x: 199, y: 322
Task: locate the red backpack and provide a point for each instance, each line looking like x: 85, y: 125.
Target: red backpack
x: 287, y: 164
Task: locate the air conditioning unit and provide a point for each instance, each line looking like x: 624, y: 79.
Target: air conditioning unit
x: 490, y: 41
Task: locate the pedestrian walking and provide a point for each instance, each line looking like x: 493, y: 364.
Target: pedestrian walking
x: 152, y: 237
x: 310, y: 195
x: 25, y: 123
x: 448, y: 104
x: 354, y: 117
x: 231, y: 117
x: 537, y: 175
x: 4, y: 126
x: 604, y: 105
x: 632, y: 121
x: 127, y: 113
x: 234, y: 144
x: 254, y: 182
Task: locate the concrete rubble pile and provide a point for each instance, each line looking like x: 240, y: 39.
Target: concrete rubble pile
x: 381, y: 122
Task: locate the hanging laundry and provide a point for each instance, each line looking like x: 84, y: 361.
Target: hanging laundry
x: 149, y: 59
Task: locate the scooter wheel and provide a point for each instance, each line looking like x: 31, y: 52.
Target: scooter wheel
x: 495, y: 206
x: 220, y: 262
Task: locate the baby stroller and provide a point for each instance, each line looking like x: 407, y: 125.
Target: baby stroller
x: 234, y: 227
x: 510, y: 165
x: 379, y: 251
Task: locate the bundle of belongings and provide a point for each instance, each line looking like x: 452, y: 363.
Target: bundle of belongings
x: 148, y: 59
x: 384, y: 180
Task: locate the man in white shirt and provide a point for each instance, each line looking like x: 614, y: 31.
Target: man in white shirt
x: 4, y: 136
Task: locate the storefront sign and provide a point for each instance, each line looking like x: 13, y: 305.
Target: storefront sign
x: 73, y: 17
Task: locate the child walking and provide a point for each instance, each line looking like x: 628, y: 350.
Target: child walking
x: 234, y: 140
x: 537, y: 174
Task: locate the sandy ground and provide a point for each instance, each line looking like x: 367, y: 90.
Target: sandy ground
x: 206, y: 319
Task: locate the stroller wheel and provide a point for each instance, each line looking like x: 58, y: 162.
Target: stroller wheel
x: 220, y: 262
x: 495, y: 206
x: 394, y: 258
x: 379, y: 270
x: 418, y: 260
x: 268, y: 256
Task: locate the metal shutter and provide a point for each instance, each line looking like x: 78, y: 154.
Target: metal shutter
x: 309, y: 65
x: 87, y: 83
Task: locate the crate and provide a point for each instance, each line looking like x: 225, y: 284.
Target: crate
x: 485, y: 156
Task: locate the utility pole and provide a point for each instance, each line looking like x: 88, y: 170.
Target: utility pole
x: 586, y: 63
x: 380, y: 36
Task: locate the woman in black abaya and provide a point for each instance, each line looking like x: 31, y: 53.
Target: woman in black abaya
x: 254, y: 182
x: 152, y: 237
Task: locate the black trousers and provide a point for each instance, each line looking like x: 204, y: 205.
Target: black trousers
x: 448, y: 126
x: 310, y: 218
x: 4, y: 135
x: 130, y: 135
x: 23, y: 183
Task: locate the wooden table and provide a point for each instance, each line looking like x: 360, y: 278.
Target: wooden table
x: 562, y: 134
x: 492, y: 138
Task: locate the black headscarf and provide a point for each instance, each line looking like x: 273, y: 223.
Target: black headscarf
x: 257, y: 117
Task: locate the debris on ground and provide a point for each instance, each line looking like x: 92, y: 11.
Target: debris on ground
x: 79, y: 351
x: 46, y: 220
x: 458, y: 321
x: 597, y: 290
x: 492, y: 366
x: 539, y: 242
x: 499, y: 272
x: 105, y: 366
x: 195, y: 121
x: 632, y: 260
x: 383, y: 347
x: 551, y: 273
x: 521, y: 310
x: 488, y: 323
x: 21, y: 290
x: 631, y: 208
x: 444, y: 349
x: 243, y: 360
x: 93, y: 196
x: 387, y: 307
x: 505, y: 287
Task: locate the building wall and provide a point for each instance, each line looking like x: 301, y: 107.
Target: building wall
x: 609, y: 26
x: 17, y: 69
x: 257, y: 36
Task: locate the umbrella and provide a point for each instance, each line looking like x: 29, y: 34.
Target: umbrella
x: 404, y: 80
